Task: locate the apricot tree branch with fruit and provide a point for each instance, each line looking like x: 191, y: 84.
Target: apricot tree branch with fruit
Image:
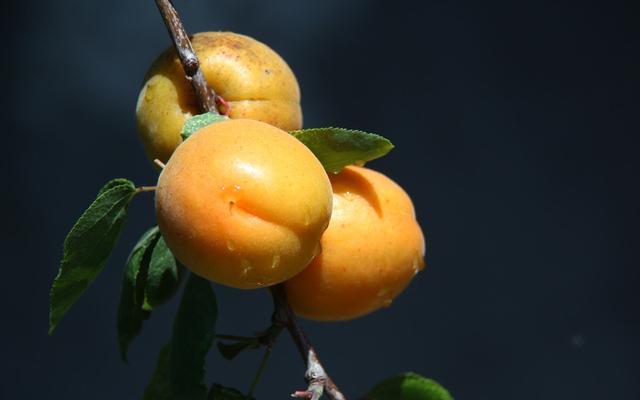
x: 315, y: 375
x: 249, y: 200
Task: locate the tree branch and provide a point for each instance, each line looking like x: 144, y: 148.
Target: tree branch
x: 204, y: 94
x: 316, y: 376
x: 283, y: 317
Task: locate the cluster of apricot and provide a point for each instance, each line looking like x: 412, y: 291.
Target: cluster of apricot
x: 245, y: 204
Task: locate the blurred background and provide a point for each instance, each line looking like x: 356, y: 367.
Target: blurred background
x: 516, y: 133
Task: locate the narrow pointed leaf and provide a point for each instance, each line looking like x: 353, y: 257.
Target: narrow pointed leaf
x: 200, y: 121
x: 164, y: 276
x: 219, y: 392
x: 337, y: 148
x: 231, y: 350
x: 159, y: 387
x: 130, y: 312
x: 88, y: 245
x: 193, y: 333
x: 408, y: 386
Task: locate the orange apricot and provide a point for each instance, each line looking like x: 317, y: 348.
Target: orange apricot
x: 371, y: 250
x: 243, y: 203
x: 255, y: 81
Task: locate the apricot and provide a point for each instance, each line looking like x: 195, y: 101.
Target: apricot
x: 255, y: 81
x: 371, y: 250
x: 243, y: 203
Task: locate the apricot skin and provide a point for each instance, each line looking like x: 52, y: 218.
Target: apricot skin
x: 371, y: 250
x: 252, y: 78
x: 243, y: 203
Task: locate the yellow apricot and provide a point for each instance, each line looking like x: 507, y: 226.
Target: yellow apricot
x: 243, y: 203
x: 371, y: 250
x: 255, y: 81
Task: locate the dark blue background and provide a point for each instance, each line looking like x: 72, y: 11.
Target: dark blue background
x: 516, y: 127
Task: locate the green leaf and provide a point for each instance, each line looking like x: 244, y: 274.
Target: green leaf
x: 219, y: 392
x: 200, y: 121
x: 231, y: 350
x: 408, y: 386
x: 151, y: 278
x: 88, y: 246
x: 130, y: 312
x: 337, y: 147
x: 164, y: 276
x: 193, y: 332
x: 159, y: 388
x: 113, y: 183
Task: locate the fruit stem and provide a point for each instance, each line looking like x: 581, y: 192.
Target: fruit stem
x: 141, y: 189
x: 316, y: 376
x: 159, y: 163
x: 205, y: 95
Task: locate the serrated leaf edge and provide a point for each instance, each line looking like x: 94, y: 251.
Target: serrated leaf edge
x: 367, y: 156
x: 54, y: 324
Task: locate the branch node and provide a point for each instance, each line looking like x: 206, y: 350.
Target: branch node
x: 317, y: 379
x: 191, y: 65
x: 205, y: 96
x: 314, y: 392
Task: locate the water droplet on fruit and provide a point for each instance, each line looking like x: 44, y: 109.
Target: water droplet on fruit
x: 317, y: 250
x: 383, y: 292
x: 246, y: 266
x: 275, y: 262
x: 232, y: 188
x: 418, y: 265
x: 387, y: 303
x: 231, y: 246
